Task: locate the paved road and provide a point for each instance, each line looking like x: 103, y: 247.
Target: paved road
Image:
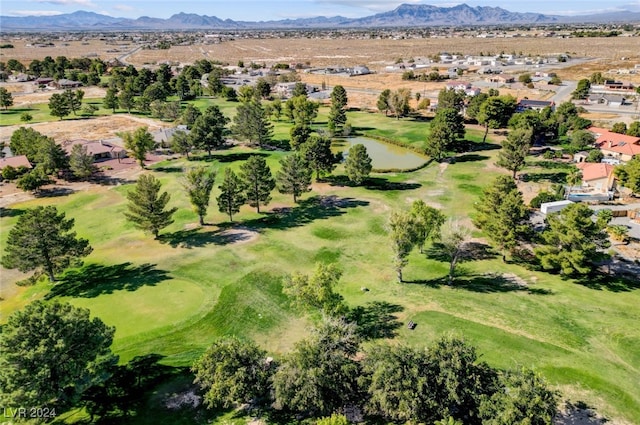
x: 123, y: 58
x: 563, y: 93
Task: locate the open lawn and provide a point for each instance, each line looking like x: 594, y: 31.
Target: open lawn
x: 174, y: 296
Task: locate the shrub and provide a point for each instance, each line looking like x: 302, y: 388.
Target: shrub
x: 543, y: 197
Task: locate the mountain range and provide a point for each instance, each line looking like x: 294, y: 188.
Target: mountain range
x: 405, y: 15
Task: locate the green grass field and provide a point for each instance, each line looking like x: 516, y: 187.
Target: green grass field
x: 174, y: 296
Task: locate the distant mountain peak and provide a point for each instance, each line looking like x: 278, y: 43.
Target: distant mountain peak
x: 404, y: 15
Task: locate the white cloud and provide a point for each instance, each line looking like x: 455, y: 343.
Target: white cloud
x: 33, y: 13
x: 124, y: 8
x: 373, y: 5
x: 87, y: 3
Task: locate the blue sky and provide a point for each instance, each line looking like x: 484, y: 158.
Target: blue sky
x: 256, y: 10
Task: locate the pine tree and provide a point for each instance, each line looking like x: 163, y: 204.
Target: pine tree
x: 74, y: 99
x: 126, y: 99
x: 147, y: 206
x: 294, y: 176
x: 358, y: 164
x: 198, y: 183
x: 232, y: 195
x: 258, y: 181
x: 514, y: 150
x: 209, y: 130
x: 42, y: 237
x: 251, y: 123
x: 337, y: 115
x: 58, y: 106
x: 110, y: 100
x: 317, y: 151
x: 502, y: 214
x: 81, y: 162
x: 6, y: 99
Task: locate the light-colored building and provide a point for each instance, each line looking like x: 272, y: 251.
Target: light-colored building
x: 597, y: 176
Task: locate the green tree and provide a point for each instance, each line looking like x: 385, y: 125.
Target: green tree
x: 403, y: 239
x: 299, y: 136
x: 181, y: 143
x: 43, y: 238
x: 59, y: 106
x: 258, y: 181
x: 299, y: 89
x: 317, y: 290
x: 399, y: 102
x: 139, y: 143
x: 320, y: 374
x: 317, y: 152
x: 6, y: 99
x: 574, y: 178
x: 26, y: 141
x: 248, y: 94
x: 582, y: 89
x: 51, y: 157
x: 214, y: 81
x: 525, y: 78
x: 74, y: 99
x: 198, y: 182
x: 524, y: 399
x: 383, y: 101
x: 147, y: 206
x: 294, y: 176
x: 502, y: 214
x: 334, y: 419
x: 582, y: 139
x: 303, y: 111
x: 629, y: 174
x: 232, y: 194
x: 571, y: 241
x: 446, y: 128
x: 452, y: 243
x: 190, y: 115
x: 358, y: 164
x: 473, y: 108
x: 515, y: 150
x: 33, y: 180
x: 337, y: 115
x: 209, y: 130
x: 126, y: 99
x: 51, y: 353
x: 619, y: 127
x: 81, y: 162
x: 595, y: 156
x: 251, y: 123
x: 232, y: 372
x: 426, y: 222
x: 451, y: 99
x: 634, y: 129
x: 263, y: 88
x: 495, y: 112
x: 26, y: 117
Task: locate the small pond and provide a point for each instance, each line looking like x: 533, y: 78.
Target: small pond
x: 384, y: 156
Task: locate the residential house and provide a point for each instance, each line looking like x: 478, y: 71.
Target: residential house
x: 15, y: 162
x: 597, y: 176
x: 501, y: 79
x: 100, y: 150
x: 360, y: 70
x: 618, y: 85
x: 615, y: 145
x: 164, y: 136
x: 63, y: 83
x: 535, y: 105
x: 612, y: 100
x: 42, y: 81
x: 458, y: 85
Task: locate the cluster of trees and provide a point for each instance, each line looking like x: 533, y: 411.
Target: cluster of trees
x: 48, y: 157
x: 63, y: 104
x: 396, y: 102
x: 85, y: 70
x: 330, y: 371
x: 632, y: 130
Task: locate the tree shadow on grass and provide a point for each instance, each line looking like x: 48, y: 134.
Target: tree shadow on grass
x: 483, y: 283
x: 198, y: 238
x: 169, y: 169
x: 378, y: 183
x: 54, y: 192
x: 227, y: 157
x: 376, y: 319
x: 473, y: 251
x: 109, y: 180
x: 308, y: 210
x: 613, y: 283
x: 470, y: 157
x: 93, y: 280
x: 555, y: 177
x: 11, y: 212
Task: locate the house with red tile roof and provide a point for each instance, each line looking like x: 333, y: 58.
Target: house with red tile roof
x: 615, y: 145
x: 597, y: 176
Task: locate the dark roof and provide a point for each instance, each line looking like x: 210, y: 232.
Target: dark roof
x: 538, y: 103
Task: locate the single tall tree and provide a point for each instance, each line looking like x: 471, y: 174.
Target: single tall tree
x: 232, y: 372
x: 337, y: 115
x: 502, y: 214
x: 209, y: 130
x: 495, y: 112
x: 317, y: 152
x: 515, y: 150
x: 181, y: 143
x: 453, y: 240
x: 572, y: 241
x: 232, y: 194
x: 358, y: 164
x: 6, y: 99
x: 110, y: 100
x: 59, y: 106
x: 383, y: 101
x: 258, y: 181
x: 403, y: 239
x: 147, y: 206
x: 50, y: 354
x: 198, y: 182
x: 316, y: 291
x: 399, y: 102
x: 81, y: 162
x: 43, y: 238
x: 126, y: 99
x: 74, y: 99
x: 139, y: 143
x: 251, y: 123
x: 294, y: 176
x: 426, y: 221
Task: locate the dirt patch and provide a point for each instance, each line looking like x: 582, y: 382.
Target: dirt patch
x: 97, y: 128
x: 187, y: 398
x: 239, y: 235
